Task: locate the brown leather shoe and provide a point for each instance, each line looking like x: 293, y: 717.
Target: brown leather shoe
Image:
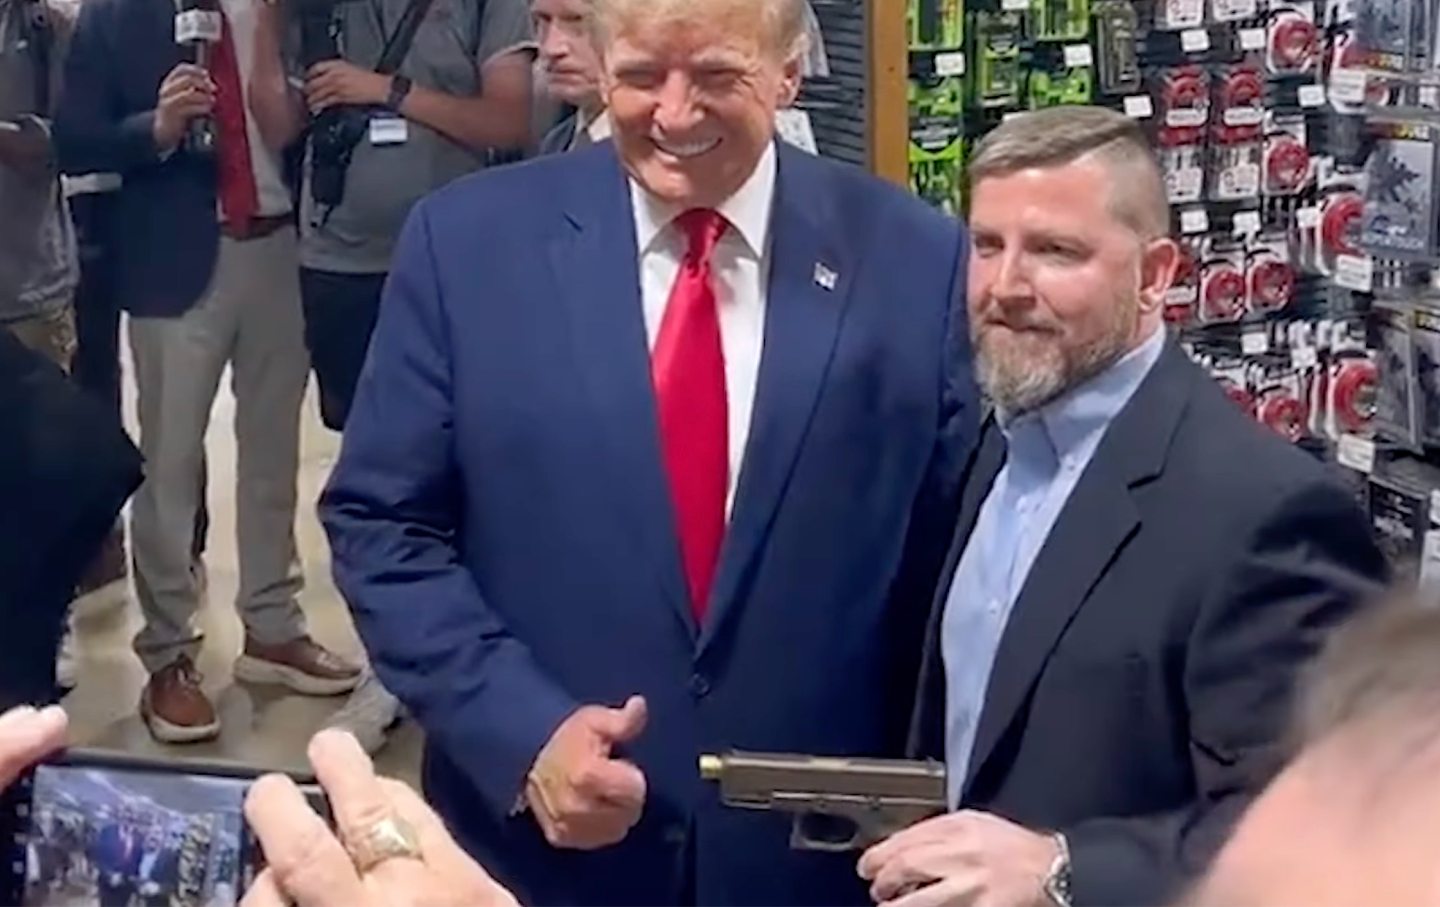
x: 301, y: 664
x: 175, y: 708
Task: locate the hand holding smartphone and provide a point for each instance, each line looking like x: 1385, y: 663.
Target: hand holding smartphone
x: 91, y: 827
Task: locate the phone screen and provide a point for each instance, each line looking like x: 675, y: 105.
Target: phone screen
x: 129, y: 836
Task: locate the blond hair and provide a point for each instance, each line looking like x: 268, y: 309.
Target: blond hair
x: 784, y: 20
x: 1058, y: 136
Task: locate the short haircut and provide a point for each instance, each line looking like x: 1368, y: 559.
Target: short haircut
x: 1057, y: 136
x: 1383, y: 667
x: 784, y: 19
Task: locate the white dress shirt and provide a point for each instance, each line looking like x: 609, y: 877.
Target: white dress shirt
x: 740, y: 271
x: 264, y: 163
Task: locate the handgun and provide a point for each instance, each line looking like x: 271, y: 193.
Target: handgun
x: 839, y: 803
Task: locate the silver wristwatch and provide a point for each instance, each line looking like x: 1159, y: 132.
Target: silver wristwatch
x: 1057, y: 880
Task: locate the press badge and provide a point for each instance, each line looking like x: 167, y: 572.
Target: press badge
x: 389, y: 130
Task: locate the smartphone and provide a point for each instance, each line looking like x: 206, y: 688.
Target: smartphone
x: 118, y: 830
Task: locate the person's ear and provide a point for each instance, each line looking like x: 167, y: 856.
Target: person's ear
x: 1159, y: 262
x: 790, y: 78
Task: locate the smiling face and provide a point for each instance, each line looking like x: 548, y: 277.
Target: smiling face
x: 1059, y: 287
x: 692, y: 101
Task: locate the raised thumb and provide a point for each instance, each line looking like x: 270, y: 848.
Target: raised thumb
x: 627, y: 722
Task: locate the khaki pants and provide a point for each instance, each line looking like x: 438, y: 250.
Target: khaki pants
x: 51, y: 334
x: 250, y: 319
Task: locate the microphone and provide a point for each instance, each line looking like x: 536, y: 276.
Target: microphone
x: 198, y: 25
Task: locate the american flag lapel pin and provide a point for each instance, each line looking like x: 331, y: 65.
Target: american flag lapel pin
x: 825, y: 277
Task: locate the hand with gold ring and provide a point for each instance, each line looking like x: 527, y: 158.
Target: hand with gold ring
x: 389, y: 848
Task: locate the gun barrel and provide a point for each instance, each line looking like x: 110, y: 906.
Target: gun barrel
x: 759, y: 777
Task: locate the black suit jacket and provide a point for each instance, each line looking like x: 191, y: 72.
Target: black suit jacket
x: 1142, y: 683
x: 66, y: 468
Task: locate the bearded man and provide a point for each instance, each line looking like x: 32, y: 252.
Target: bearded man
x: 1138, y: 569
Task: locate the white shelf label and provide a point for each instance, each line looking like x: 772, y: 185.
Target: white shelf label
x: 1194, y: 220
x: 1355, y: 272
x: 1435, y: 507
x: 1253, y: 343
x: 1312, y: 95
x: 1357, y: 453
x: 1308, y: 218
x: 1348, y: 85
x: 1139, y: 107
x: 950, y: 63
x: 1187, y: 117
x: 1079, y: 55
x: 1015, y: 6
x: 1252, y: 39
x: 1303, y: 357
x: 1194, y: 40
x: 1244, y: 116
x: 1247, y: 223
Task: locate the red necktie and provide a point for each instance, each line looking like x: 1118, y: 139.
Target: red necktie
x: 239, y: 199
x: 688, y: 367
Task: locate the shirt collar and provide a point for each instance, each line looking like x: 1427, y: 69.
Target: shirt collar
x: 1075, y: 421
x: 748, y: 210
x: 597, y: 124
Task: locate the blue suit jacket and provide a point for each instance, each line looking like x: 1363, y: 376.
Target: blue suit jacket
x: 502, y: 526
x: 165, y: 231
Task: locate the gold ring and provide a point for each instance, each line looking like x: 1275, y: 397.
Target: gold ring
x: 387, y: 839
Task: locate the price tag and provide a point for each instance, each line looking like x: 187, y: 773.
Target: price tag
x: 1355, y: 272
x: 1252, y: 39
x: 198, y: 25
x: 1079, y: 55
x: 794, y: 127
x: 1184, y: 185
x: 950, y: 63
x: 1015, y: 6
x: 1311, y: 96
x: 1194, y: 220
x: 1139, y: 107
x: 1307, y: 218
x: 1240, y: 181
x: 1303, y: 357
x: 1186, y: 117
x: 1253, y: 343
x: 1429, y: 96
x: 1357, y: 453
x: 1247, y: 223
x: 1194, y: 40
x: 1347, y: 86
x: 1244, y: 116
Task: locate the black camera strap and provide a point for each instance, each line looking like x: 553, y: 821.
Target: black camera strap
x: 397, y: 45
x: 38, y: 38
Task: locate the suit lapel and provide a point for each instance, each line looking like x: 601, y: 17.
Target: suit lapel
x: 596, y: 263
x: 927, y: 725
x: 1097, y: 521
x: 802, y: 321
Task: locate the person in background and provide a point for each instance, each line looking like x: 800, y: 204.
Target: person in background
x: 459, y: 96
x: 570, y: 59
x: 1352, y: 818
x: 1138, y: 571
x: 205, y: 251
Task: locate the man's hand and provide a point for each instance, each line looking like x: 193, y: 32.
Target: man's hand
x: 583, y: 798
x: 186, y: 93
x: 26, y: 737
x: 338, y: 82
x: 969, y: 858
x: 308, y: 865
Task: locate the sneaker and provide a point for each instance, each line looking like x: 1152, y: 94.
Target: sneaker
x: 369, y: 714
x: 66, y: 667
x: 175, y: 708
x: 302, y: 664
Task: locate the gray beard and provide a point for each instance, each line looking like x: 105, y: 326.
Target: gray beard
x: 1017, y: 384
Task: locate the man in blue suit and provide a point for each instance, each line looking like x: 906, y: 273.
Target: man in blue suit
x: 655, y: 423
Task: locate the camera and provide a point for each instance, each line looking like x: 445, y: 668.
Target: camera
x: 335, y: 132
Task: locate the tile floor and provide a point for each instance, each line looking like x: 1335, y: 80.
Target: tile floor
x: 264, y: 727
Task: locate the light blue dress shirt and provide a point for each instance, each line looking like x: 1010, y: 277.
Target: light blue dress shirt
x: 1048, y: 451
